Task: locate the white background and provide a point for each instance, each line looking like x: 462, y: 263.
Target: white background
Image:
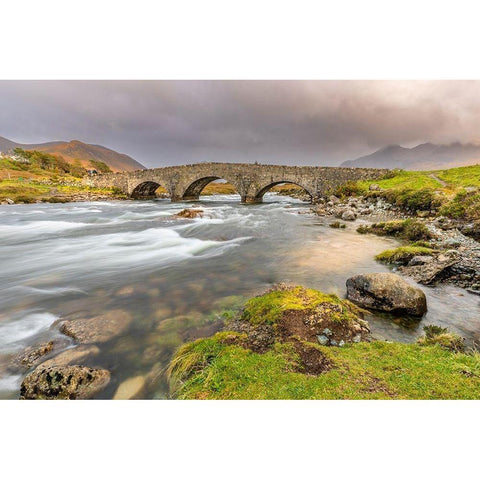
x: 206, y: 39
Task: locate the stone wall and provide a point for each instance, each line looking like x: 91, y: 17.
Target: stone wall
x: 251, y: 181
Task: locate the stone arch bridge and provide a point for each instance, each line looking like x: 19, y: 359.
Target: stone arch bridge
x: 251, y: 181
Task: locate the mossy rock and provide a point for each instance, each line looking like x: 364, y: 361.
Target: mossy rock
x: 403, y: 255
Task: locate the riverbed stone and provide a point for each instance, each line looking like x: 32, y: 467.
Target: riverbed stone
x: 71, y: 356
x: 68, y: 383
x: 419, y: 260
x: 97, y: 329
x: 386, y: 292
x: 31, y: 356
x: 349, y: 215
x: 130, y: 388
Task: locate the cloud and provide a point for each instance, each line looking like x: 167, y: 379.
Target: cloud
x: 295, y: 122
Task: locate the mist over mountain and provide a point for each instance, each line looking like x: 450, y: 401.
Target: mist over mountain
x: 426, y: 156
x: 76, y: 150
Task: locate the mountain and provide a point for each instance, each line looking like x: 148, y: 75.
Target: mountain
x: 76, y: 150
x: 426, y: 156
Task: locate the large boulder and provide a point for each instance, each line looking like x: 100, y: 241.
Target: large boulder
x: 67, y: 383
x: 386, y: 292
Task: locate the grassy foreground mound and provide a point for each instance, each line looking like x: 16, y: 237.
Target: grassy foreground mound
x: 274, y: 351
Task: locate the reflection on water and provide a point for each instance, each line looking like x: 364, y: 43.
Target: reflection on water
x: 175, y: 277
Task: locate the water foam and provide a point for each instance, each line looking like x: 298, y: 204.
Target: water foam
x: 14, y: 332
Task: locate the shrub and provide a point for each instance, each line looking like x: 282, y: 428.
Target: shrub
x: 349, y: 189
x: 100, y: 166
x: 24, y: 199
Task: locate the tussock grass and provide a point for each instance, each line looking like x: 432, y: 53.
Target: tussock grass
x: 435, y: 335
x: 409, y: 229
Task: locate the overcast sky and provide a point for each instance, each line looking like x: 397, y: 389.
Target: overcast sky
x: 285, y: 122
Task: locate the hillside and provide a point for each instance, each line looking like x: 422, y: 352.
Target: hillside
x: 76, y: 150
x: 426, y: 156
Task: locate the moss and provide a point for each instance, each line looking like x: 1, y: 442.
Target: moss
x: 269, y: 308
x: 337, y: 225
x: 402, y: 255
x: 409, y: 229
x: 435, y: 335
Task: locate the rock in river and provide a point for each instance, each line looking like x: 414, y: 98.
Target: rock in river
x: 130, y: 388
x: 31, y: 355
x: 349, y: 215
x: 97, y: 329
x: 68, y: 383
x: 190, y: 213
x: 71, y: 355
x: 386, y: 292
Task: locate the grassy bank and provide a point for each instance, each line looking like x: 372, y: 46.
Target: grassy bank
x: 29, y: 177
x: 454, y: 193
x: 230, y: 364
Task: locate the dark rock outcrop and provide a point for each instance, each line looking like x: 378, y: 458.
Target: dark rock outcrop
x: 67, y: 383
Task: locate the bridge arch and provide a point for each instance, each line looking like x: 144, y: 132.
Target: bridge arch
x: 193, y: 191
x: 258, y: 197
x: 146, y: 189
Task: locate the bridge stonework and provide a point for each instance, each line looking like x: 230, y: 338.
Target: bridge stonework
x: 251, y: 181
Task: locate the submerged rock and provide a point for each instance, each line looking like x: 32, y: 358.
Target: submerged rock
x: 68, y: 383
x: 97, y: 329
x: 386, y: 292
x: 130, y: 388
x: 71, y: 356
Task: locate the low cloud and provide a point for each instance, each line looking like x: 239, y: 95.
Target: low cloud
x: 293, y: 122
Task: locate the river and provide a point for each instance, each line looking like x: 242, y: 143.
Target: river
x: 175, y: 277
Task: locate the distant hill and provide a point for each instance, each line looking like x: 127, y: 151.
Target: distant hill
x: 76, y: 150
x: 426, y: 156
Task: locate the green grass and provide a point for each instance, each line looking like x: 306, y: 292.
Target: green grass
x: 402, y: 255
x: 29, y: 191
x: 214, y: 369
x: 404, y: 180
x: 461, y: 177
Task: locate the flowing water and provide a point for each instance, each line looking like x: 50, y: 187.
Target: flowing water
x: 176, y: 277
